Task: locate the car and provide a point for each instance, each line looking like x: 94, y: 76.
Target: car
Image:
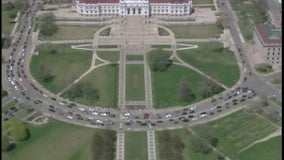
x: 62, y: 103
x: 90, y: 118
x: 159, y: 121
x: 20, y: 79
x: 91, y: 109
x: 185, y: 120
x: 45, y: 95
x: 168, y: 115
x: 103, y: 114
x: 218, y: 107
x: 69, y: 117
x: 183, y: 113
x: 211, y: 113
x: 99, y: 121
x: 127, y: 114
x: 52, y: 98
x: 13, y: 83
x: 95, y: 113
x: 51, y: 110
x: 28, y: 98
x: 16, y: 88
x: 219, y: 110
x: 51, y: 106
x: 81, y: 109
x: 190, y: 116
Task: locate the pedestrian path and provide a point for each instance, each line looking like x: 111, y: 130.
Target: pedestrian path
x: 120, y: 145
x: 151, y: 145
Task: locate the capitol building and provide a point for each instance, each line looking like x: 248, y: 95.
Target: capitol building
x: 134, y: 7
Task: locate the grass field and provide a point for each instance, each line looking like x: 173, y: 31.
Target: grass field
x: 8, y: 106
x: 270, y: 149
x: 107, y: 46
x: 135, y: 85
x: 196, y: 31
x: 278, y: 102
x: 248, y: 15
x: 66, y: 65
x: 54, y: 140
x: 7, y: 27
x: 188, y: 153
x: 194, y: 2
x: 134, y: 58
x: 136, y: 146
x: 104, y: 79
x: 219, y: 63
x: 112, y: 56
x: 165, y: 86
x: 239, y: 130
x: 74, y: 33
x: 161, y: 46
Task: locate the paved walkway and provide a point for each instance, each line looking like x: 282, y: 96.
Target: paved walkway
x: 120, y: 147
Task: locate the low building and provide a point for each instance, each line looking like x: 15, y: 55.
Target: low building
x: 134, y: 7
x: 269, y: 42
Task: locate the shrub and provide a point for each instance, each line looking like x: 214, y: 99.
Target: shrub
x: 264, y: 68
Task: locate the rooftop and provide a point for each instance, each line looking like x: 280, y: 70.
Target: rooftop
x: 117, y: 1
x: 269, y: 33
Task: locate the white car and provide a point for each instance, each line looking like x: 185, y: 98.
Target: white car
x: 91, y: 109
x: 61, y: 103
x: 103, y: 114
x: 69, y: 117
x: 13, y: 83
x: 95, y: 113
x: 193, y: 108
x: 9, y: 79
x: 21, y: 79
x: 23, y: 60
x: 81, y: 109
x: 44, y: 95
x: 16, y: 88
x: 203, y: 115
x: 99, y: 121
x: 168, y: 115
x: 91, y: 118
x: 194, y: 118
x: 127, y: 114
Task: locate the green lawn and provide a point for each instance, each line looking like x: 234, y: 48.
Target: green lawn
x: 135, y: 85
x: 54, y: 140
x: 278, y: 102
x: 270, y: 149
x: 107, y: 46
x: 194, y: 2
x: 165, y: 86
x: 6, y: 24
x: 248, y: 15
x: 188, y: 153
x: 8, y: 106
x: 104, y: 79
x: 66, y: 65
x: 239, y: 130
x: 74, y: 33
x: 196, y: 31
x: 212, y: 59
x: 134, y: 58
x: 112, y: 56
x: 161, y: 46
x: 136, y: 146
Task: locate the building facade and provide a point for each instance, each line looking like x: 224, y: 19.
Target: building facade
x: 134, y: 7
x: 269, y: 42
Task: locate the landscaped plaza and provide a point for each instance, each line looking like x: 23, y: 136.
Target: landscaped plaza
x: 153, y: 79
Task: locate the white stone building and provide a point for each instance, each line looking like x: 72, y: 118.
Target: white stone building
x: 269, y: 42
x: 134, y: 7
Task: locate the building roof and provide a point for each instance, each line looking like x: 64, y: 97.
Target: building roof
x: 168, y: 1
x: 117, y: 1
x: 268, y: 33
x: 98, y: 1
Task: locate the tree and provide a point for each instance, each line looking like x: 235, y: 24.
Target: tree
x: 209, y: 88
x: 198, y: 146
x: 8, y: 6
x: 46, y: 76
x: 185, y: 91
x: 47, y: 24
x: 207, y: 133
x: 19, y: 132
x: 6, y: 143
x: 75, y: 92
x: 158, y: 60
x: 12, y: 14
